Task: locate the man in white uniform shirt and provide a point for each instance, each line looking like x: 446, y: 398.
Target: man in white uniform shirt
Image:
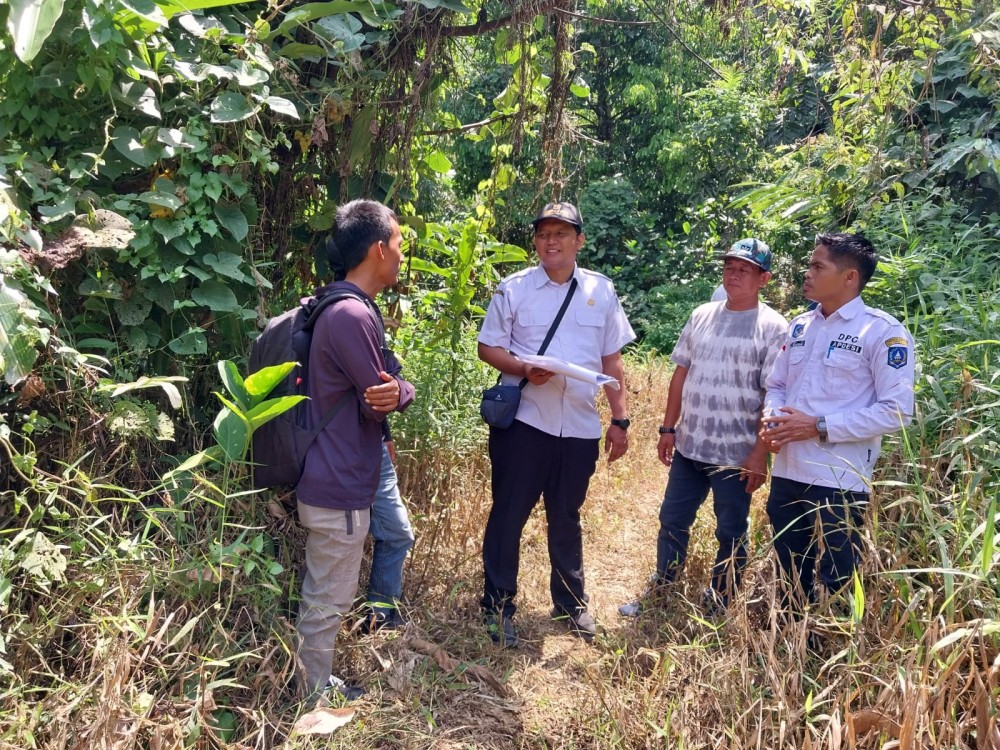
x: 551, y: 449
x: 709, y: 436
x: 843, y: 379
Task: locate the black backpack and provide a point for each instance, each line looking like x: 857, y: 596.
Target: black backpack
x: 280, y: 445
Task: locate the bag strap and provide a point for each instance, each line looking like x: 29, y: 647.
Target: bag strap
x: 553, y: 327
x: 314, y: 307
x: 330, y: 414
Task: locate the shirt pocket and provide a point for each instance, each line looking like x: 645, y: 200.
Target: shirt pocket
x: 796, y: 361
x: 589, y: 318
x: 841, y: 373
x: 534, y: 317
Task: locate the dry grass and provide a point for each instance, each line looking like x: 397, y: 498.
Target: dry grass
x: 123, y: 659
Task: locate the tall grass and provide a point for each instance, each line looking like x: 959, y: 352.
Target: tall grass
x: 154, y: 616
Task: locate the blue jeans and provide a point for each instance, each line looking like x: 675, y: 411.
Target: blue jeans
x: 687, y: 488
x: 390, y: 528
x: 793, y: 508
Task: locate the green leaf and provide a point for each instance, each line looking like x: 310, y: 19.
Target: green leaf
x: 298, y: 50
x: 282, y: 106
x: 169, y: 200
x: 45, y: 562
x: 232, y: 220
x: 193, y: 462
x: 216, y: 297
x: 989, y: 534
x: 426, y: 266
x: 175, y: 138
x: 580, y: 89
x: 361, y: 136
x: 95, y: 343
x: 437, y: 161
x: 138, y: 340
x: 30, y: 22
x: 128, y: 142
x: 247, y: 75
x: 166, y: 382
x: 262, y: 382
x: 134, y: 310
x: 193, y: 341
x: 303, y: 14
x: 268, y: 410
x: 141, y: 98
x: 230, y: 106
x: 225, y: 264
x: 147, y: 9
x: 106, y: 289
x: 344, y: 29
x: 171, y: 8
x: 233, y: 381
x: 232, y: 431
x: 454, y: 5
x: 17, y: 350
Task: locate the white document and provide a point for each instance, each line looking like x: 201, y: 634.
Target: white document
x: 562, y: 367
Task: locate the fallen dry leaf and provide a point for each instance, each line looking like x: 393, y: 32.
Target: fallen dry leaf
x: 454, y: 667
x: 862, y: 722
x: 323, y: 721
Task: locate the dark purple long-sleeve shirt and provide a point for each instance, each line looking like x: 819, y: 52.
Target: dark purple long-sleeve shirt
x: 342, y: 467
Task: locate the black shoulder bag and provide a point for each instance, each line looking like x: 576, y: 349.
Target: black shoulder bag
x: 499, y: 404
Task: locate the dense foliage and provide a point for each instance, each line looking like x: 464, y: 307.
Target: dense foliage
x: 167, y: 168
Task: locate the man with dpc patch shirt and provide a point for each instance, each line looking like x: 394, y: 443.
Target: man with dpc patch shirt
x: 843, y: 378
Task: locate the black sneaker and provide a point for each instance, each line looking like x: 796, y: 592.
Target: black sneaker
x: 336, y: 687
x: 382, y: 618
x: 501, y: 629
x: 580, y: 622
x: 713, y: 603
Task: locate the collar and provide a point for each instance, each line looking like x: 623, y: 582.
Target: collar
x: 847, y: 311
x: 541, y: 278
x: 344, y: 284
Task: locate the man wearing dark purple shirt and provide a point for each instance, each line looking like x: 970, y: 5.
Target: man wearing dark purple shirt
x: 347, y: 361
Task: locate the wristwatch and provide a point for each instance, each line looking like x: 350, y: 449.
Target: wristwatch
x: 663, y: 430
x: 623, y: 423
x: 821, y: 426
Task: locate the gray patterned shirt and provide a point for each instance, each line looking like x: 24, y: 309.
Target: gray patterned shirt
x: 729, y: 356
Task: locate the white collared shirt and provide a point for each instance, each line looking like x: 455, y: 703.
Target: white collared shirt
x: 856, y: 369
x: 594, y: 326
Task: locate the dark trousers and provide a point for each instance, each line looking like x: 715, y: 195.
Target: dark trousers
x: 794, y: 508
x: 528, y: 463
x: 687, y: 488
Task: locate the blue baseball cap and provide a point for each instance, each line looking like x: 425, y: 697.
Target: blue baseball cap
x: 751, y: 250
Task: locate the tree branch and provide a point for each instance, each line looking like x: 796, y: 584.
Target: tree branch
x: 484, y: 27
x: 470, y: 126
x: 677, y: 36
x: 606, y: 21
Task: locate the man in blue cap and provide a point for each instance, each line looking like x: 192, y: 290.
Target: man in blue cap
x: 709, y: 437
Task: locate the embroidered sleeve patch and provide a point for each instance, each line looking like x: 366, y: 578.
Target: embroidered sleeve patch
x: 896, y: 342
x: 797, y: 330
x: 898, y: 357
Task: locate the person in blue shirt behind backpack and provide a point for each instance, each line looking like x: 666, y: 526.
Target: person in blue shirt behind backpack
x: 393, y: 535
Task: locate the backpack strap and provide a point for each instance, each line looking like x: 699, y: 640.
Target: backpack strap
x: 313, y: 307
x: 330, y: 414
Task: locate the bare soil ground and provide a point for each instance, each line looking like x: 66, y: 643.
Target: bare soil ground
x: 627, y: 689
